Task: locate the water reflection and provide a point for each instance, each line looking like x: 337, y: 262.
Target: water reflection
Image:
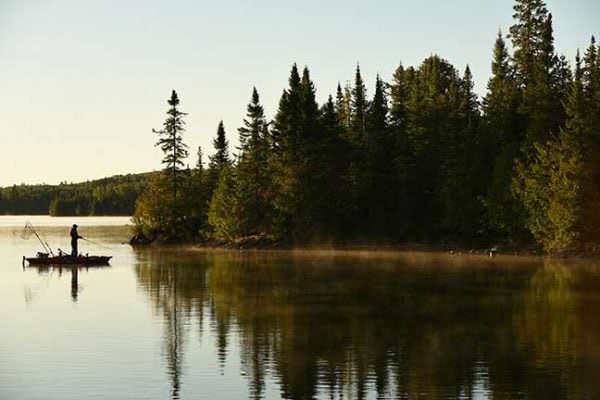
x: 356, y: 327
x: 48, y: 271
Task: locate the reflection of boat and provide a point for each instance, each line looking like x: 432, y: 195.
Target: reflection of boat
x: 46, y: 259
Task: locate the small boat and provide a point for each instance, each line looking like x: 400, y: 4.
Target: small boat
x: 64, y: 259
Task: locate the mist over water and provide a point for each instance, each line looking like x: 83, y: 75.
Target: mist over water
x: 181, y: 323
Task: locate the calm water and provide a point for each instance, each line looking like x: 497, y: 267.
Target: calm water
x: 175, y: 323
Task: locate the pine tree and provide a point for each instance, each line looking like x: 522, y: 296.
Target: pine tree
x: 287, y: 139
x: 253, y: 173
x: 400, y: 90
x: 402, y: 152
x: 526, y: 33
x: 552, y: 184
x: 253, y: 124
x: 171, y: 142
x: 591, y: 176
x: 310, y: 108
x: 501, y: 143
x: 379, y: 170
x: 220, y: 158
x: 359, y: 110
x: 342, y: 107
x: 591, y: 86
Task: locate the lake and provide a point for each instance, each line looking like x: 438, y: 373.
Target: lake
x: 182, y: 323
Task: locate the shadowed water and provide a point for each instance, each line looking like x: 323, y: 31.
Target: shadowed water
x: 179, y: 323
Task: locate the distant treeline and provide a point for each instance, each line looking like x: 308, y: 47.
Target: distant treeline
x: 421, y: 159
x: 115, y: 195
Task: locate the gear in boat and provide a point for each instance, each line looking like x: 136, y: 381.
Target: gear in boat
x: 47, y: 259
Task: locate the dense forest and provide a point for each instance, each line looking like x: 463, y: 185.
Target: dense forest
x: 115, y: 195
x: 422, y: 158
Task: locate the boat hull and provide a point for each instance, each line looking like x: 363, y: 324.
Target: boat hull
x: 69, y: 260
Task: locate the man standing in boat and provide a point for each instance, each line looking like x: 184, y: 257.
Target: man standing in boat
x: 74, y: 237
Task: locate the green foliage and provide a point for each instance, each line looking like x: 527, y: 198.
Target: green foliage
x: 224, y: 212
x: 109, y: 196
x: 423, y: 159
x: 553, y: 184
x: 550, y: 191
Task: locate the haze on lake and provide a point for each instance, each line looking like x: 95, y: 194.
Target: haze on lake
x: 189, y: 324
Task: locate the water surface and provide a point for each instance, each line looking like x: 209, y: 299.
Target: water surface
x: 188, y: 324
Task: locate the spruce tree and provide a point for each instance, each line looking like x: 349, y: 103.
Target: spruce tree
x: 220, y: 158
x: 342, y: 107
x: 253, y: 173
x: 526, y: 34
x: 359, y: 110
x: 502, y: 136
x: 379, y: 157
x: 287, y: 139
x: 253, y: 123
x: 310, y: 108
x: 552, y: 185
x: 402, y: 154
x: 171, y: 142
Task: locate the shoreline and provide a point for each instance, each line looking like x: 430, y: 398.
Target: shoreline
x: 255, y: 245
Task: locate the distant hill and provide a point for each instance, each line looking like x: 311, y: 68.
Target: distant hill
x: 115, y: 195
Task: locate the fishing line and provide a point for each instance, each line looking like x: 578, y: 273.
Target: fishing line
x: 97, y: 244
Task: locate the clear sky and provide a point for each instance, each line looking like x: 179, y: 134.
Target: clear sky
x: 83, y: 82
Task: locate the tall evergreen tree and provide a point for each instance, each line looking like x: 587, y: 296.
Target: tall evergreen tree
x: 171, y: 142
x: 253, y: 123
x: 503, y: 134
x: 552, y: 185
x: 253, y: 173
x: 342, y: 106
x: 359, y: 110
x: 526, y: 33
x: 220, y: 158
x: 287, y: 142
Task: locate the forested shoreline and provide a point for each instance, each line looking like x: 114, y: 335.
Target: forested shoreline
x: 422, y: 159
x: 115, y: 195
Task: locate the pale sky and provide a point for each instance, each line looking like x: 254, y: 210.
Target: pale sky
x: 82, y: 82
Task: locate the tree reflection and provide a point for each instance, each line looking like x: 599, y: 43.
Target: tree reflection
x: 335, y: 327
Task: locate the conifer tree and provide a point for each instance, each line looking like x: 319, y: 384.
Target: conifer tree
x: 379, y: 156
x: 253, y: 123
x: 402, y: 154
x: 310, y: 108
x: 551, y: 188
x: 253, y: 175
x: 359, y: 110
x: 171, y: 142
x: 526, y: 33
x: 342, y: 107
x: 287, y: 143
x: 224, y: 213
x: 503, y: 132
x: 399, y: 90
x: 220, y: 158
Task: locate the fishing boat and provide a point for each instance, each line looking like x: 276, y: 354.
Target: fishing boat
x: 47, y: 257
x: 63, y: 259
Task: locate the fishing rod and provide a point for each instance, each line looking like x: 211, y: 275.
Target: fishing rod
x: 29, y: 228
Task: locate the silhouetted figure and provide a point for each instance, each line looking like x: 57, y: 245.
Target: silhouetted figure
x: 74, y: 237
